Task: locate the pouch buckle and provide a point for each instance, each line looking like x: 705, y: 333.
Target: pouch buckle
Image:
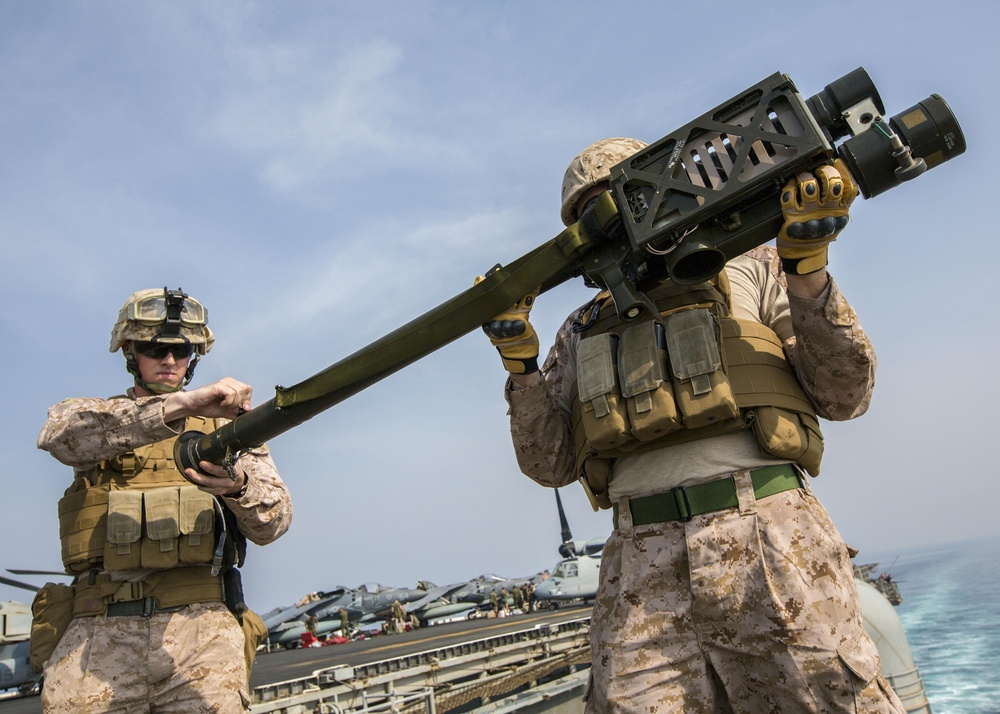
x: 148, y: 606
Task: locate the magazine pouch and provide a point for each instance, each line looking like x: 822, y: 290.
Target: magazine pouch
x: 649, y: 396
x: 604, y: 416
x: 704, y: 394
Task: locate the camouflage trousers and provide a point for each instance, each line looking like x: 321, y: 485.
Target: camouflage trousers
x: 753, y: 609
x: 186, y: 662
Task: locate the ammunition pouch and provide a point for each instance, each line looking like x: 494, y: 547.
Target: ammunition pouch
x: 789, y: 435
x: 646, y: 385
x: 595, y: 479
x: 604, y: 414
x: 704, y: 394
x: 51, y: 613
x: 254, y: 632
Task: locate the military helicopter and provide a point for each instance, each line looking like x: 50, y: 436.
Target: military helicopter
x: 15, y: 630
x: 575, y: 577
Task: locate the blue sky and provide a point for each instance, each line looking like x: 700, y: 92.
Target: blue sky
x: 320, y: 173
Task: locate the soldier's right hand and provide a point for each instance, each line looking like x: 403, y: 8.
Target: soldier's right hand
x: 227, y: 398
x: 816, y: 207
x: 513, y: 336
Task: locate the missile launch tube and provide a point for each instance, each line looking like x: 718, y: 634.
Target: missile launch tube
x: 548, y: 265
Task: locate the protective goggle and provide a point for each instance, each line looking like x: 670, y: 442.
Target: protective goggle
x: 172, y: 306
x: 159, y: 350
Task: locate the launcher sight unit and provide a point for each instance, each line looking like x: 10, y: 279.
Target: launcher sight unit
x: 709, y: 191
x: 680, y: 208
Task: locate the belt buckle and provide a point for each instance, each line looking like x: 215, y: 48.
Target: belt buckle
x: 683, y: 503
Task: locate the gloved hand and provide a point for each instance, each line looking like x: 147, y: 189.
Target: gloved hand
x: 816, y: 208
x: 513, y: 336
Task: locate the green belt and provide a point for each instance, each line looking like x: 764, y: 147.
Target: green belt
x: 686, y: 502
x: 146, y: 606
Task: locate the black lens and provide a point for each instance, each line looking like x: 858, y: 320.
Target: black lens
x: 828, y: 106
x: 159, y: 350
x: 929, y: 128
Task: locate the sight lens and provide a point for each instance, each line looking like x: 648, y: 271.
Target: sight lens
x: 929, y: 128
x: 828, y: 106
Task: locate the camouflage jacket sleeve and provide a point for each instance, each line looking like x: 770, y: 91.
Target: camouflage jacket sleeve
x: 832, y: 355
x: 264, y: 511
x: 539, y: 418
x: 82, y: 432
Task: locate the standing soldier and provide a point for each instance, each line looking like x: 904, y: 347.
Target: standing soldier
x: 724, y: 586
x: 153, y: 621
x: 495, y: 603
x: 398, y: 616
x: 518, y: 598
x: 345, y: 621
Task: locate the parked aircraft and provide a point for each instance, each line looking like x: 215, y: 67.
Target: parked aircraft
x: 467, y: 597
x: 15, y: 629
x: 575, y: 577
x: 368, y: 603
x: 477, y: 591
x: 440, y: 602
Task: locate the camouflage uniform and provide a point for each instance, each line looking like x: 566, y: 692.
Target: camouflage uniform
x: 187, y: 661
x: 749, y: 609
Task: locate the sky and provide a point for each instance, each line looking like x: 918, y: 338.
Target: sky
x: 321, y: 173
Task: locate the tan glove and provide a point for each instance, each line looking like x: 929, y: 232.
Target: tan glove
x: 513, y: 336
x: 816, y: 207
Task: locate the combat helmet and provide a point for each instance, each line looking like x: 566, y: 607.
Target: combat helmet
x: 591, y: 167
x: 165, y: 316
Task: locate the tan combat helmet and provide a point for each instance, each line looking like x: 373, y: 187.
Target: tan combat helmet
x: 165, y: 316
x: 591, y: 167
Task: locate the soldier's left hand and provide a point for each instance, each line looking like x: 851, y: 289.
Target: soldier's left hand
x: 816, y: 208
x: 227, y: 398
x: 512, y: 333
x: 214, y: 479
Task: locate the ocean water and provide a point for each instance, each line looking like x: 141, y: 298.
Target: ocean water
x: 951, y: 614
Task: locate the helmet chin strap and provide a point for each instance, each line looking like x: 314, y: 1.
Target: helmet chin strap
x: 158, y: 387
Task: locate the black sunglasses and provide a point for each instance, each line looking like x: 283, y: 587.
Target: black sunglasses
x: 159, y: 350
x: 590, y: 202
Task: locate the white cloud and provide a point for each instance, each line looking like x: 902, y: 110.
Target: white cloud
x: 302, y: 113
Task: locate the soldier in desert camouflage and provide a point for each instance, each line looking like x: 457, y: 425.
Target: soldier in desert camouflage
x: 157, y: 615
x: 724, y: 586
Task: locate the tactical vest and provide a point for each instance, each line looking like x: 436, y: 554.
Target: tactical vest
x: 138, y: 511
x: 694, y: 373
